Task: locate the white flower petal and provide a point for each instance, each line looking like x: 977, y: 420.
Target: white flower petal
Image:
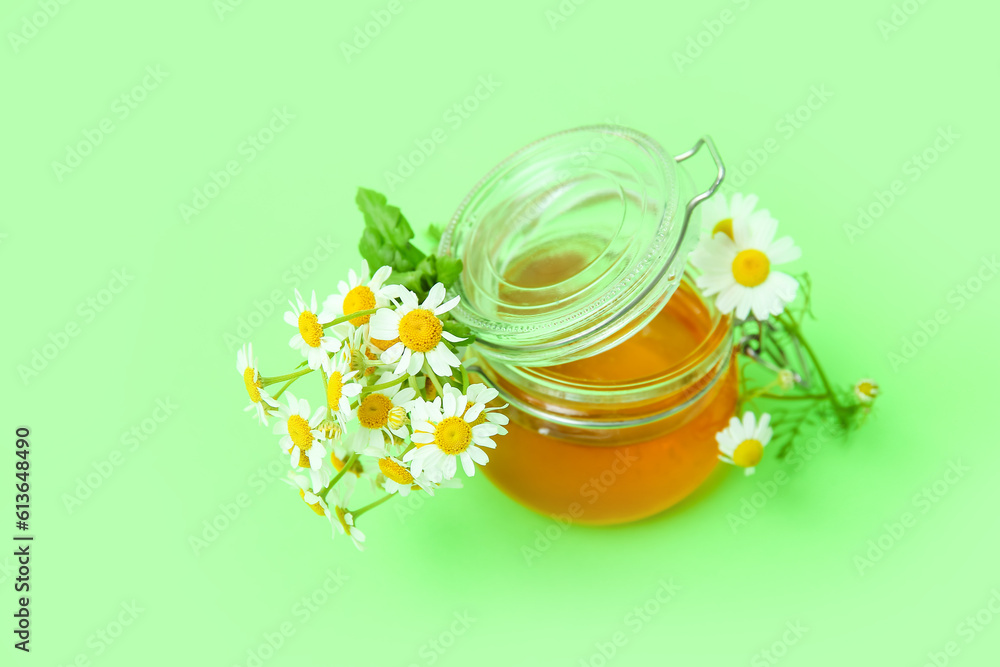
x: 783, y: 250
x: 478, y: 455
x: 416, y: 362
x: 434, y: 297
x: 448, y: 305
x: 467, y: 464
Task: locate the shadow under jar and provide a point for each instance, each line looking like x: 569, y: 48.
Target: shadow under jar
x: 617, y: 372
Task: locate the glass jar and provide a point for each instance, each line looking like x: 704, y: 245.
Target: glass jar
x: 618, y: 374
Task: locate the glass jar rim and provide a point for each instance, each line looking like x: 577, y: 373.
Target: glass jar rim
x: 627, y: 404
x: 648, y: 236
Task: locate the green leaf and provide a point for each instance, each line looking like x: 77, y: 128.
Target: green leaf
x: 387, y: 220
x: 375, y: 251
x: 448, y: 270
x: 387, y: 235
x: 386, y: 240
x: 420, y: 279
x: 457, y: 329
x: 434, y: 232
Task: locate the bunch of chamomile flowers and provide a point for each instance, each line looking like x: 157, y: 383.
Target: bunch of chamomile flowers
x: 397, y: 415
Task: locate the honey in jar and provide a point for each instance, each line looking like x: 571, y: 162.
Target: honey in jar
x: 617, y: 373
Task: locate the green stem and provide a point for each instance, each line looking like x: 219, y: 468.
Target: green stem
x: 349, y: 316
x: 370, y: 506
x: 384, y: 385
x: 289, y: 376
x: 794, y: 329
x: 434, y: 379
x: 806, y: 397
x: 343, y: 471
x: 282, y: 390
x: 465, y: 378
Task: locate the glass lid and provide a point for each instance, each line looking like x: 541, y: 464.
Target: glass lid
x: 572, y: 244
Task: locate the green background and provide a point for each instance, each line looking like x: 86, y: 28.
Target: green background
x: 169, y: 333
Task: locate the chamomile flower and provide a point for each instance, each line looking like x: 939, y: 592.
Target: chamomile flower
x: 345, y: 526
x: 301, y: 438
x: 341, y: 387
x: 480, y: 393
x: 307, y: 492
x: 246, y: 364
x: 381, y: 413
x: 786, y: 379
x: 866, y: 390
x: 348, y: 481
x: 314, y: 479
x: 314, y: 342
x: 419, y: 332
x: 742, y: 442
x: 739, y: 267
x: 719, y: 214
x: 360, y: 293
x: 361, y: 353
x: 337, y: 495
x: 445, y: 432
x: 399, y: 479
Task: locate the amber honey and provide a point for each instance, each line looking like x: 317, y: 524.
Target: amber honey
x: 617, y: 373
x: 599, y: 472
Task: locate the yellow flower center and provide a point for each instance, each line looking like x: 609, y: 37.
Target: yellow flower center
x: 430, y: 390
x: 301, y: 433
x: 253, y: 384
x: 316, y: 507
x: 481, y: 419
x: 868, y: 388
x: 395, y: 472
x: 786, y: 378
x: 359, y: 298
x: 382, y: 345
x: 342, y: 518
x: 748, y: 453
x: 330, y: 429
x: 420, y: 330
x: 334, y: 389
x: 397, y: 417
x: 750, y: 268
x: 338, y: 465
x: 303, y: 460
x: 453, y: 435
x: 374, y: 411
x: 310, y: 328
x: 724, y: 226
